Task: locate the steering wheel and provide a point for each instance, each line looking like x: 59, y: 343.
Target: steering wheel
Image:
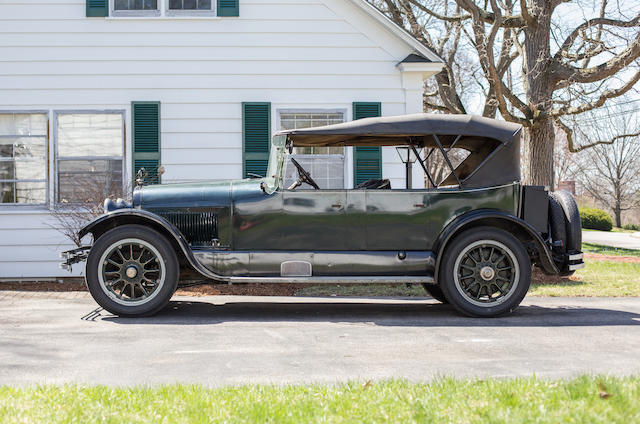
x: 303, y: 177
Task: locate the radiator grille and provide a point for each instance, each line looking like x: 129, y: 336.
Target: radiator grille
x: 199, y: 228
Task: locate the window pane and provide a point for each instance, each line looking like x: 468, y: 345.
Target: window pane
x: 121, y: 5
x: 29, y: 170
x: 22, y: 192
x: 7, y: 170
x: 89, y: 180
x: 23, y: 152
x: 23, y: 124
x: 326, y: 164
x: 87, y: 134
x: 135, y: 4
x: 7, y: 192
x: 32, y: 147
x: 96, y: 140
x: 190, y: 4
x: 30, y: 192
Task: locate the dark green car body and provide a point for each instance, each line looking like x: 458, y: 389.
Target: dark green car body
x: 256, y: 230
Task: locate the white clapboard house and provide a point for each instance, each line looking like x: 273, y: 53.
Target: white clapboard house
x: 92, y: 90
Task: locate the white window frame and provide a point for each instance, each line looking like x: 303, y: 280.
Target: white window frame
x: 56, y: 113
x: 47, y: 155
x: 346, y: 152
x: 162, y: 11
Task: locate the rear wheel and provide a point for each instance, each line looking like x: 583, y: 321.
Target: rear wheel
x: 485, y: 272
x: 132, y: 271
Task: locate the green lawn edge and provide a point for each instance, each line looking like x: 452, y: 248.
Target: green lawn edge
x: 593, y: 399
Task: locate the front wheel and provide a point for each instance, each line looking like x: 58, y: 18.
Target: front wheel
x: 132, y: 271
x: 485, y: 272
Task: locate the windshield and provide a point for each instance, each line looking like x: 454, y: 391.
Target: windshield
x: 276, y: 158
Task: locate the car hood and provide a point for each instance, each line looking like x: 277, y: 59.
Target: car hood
x: 195, y: 195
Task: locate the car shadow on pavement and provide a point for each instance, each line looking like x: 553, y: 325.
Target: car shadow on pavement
x: 394, y: 314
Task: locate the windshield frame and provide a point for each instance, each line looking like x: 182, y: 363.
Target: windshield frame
x: 275, y: 167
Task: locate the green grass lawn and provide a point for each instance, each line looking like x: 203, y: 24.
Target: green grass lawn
x: 586, y: 399
x: 608, y: 250
x: 597, y: 278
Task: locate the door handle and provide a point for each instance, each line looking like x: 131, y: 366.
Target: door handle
x: 336, y: 206
x: 418, y: 205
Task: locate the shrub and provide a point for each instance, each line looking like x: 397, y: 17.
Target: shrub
x: 633, y: 227
x: 595, y: 219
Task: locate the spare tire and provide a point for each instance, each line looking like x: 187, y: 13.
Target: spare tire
x: 557, y: 222
x: 564, y: 220
x: 573, y: 225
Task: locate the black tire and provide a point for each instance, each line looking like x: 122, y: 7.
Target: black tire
x: 565, y: 223
x: 573, y: 225
x: 557, y: 223
x: 509, y: 272
x: 139, y: 296
x: 435, y: 291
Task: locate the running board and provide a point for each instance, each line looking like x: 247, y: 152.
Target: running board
x: 422, y: 279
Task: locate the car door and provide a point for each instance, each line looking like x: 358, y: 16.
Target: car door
x: 314, y: 220
x: 396, y: 219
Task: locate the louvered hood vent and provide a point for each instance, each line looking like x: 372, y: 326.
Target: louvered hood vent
x: 199, y: 228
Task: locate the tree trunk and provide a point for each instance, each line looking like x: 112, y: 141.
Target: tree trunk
x: 540, y: 137
x: 539, y: 141
x: 618, y: 215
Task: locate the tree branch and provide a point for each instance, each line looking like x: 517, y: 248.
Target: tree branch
x: 568, y: 42
x: 608, y: 94
x: 574, y: 149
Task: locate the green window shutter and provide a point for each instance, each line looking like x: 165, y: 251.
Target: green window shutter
x: 97, y: 8
x: 367, y: 161
x: 256, y: 138
x: 145, y: 135
x: 228, y: 7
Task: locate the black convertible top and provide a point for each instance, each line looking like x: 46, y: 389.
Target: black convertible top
x: 493, y: 146
x: 396, y: 130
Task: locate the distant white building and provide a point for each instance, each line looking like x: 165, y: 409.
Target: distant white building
x: 91, y: 91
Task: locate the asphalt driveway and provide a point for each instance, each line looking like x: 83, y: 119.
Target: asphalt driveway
x: 609, y: 238
x: 56, y: 338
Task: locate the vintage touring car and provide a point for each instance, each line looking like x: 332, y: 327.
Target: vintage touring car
x: 471, y: 238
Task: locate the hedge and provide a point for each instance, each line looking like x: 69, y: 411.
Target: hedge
x: 595, y: 219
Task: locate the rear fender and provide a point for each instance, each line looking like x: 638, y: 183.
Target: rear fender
x: 493, y: 218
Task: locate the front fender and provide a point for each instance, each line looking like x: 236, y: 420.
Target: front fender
x: 111, y: 220
x: 117, y: 217
x: 500, y: 219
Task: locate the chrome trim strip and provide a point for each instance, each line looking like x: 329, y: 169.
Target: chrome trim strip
x: 428, y: 279
x: 576, y: 256
x: 576, y: 266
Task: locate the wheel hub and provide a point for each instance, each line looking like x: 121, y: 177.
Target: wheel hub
x: 487, y: 273
x: 131, y: 272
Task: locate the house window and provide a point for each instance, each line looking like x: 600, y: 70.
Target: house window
x: 189, y: 5
x: 89, y: 156
x: 23, y: 158
x: 135, y: 7
x: 326, y: 164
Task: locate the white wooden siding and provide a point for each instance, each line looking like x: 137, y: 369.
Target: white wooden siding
x: 296, y: 54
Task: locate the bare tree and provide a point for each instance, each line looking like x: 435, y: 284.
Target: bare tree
x: 563, y: 162
x: 535, y: 66
x: 89, y: 195
x: 610, y: 170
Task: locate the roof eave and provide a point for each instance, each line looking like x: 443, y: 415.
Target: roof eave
x: 429, y: 68
x: 398, y: 31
